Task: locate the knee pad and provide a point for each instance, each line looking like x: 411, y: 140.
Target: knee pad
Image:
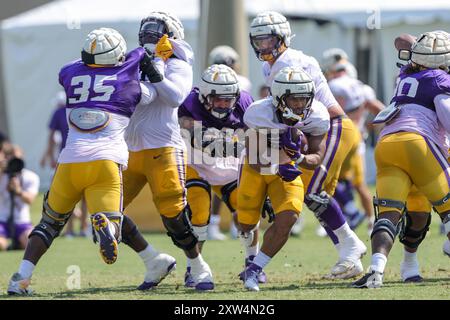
x: 407, y: 232
x: 51, y: 223
x: 317, y: 203
x: 179, y: 229
x: 440, y: 202
x: 387, y: 226
x: 201, y: 232
x: 446, y: 222
x: 226, y: 191
x: 199, y: 183
x: 377, y: 202
x: 129, y: 230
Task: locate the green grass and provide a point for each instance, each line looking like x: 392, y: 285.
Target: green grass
x: 295, y: 273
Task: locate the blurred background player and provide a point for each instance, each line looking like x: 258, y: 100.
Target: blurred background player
x: 291, y: 106
x: 18, y: 190
x: 416, y: 124
x: 357, y: 100
x: 217, y: 106
x: 102, y: 88
x: 158, y: 152
x: 228, y: 56
x: 270, y: 36
x: 59, y: 128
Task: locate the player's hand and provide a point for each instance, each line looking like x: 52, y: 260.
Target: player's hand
x: 163, y: 48
x: 148, y: 68
x: 14, y: 185
x: 267, y: 210
x: 289, y: 145
x: 288, y: 172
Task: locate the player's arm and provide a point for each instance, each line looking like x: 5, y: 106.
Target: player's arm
x: 148, y: 93
x: 442, y: 103
x: 374, y: 106
x: 176, y: 84
x: 316, y: 152
x: 49, y: 152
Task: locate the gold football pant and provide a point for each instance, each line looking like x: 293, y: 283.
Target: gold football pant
x: 340, y: 142
x: 200, y: 200
x: 100, y: 182
x: 164, y: 169
x: 253, y: 189
x: 405, y: 159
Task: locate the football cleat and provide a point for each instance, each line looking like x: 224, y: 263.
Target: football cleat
x: 262, y: 277
x: 349, y: 264
x: 158, y: 268
x: 19, y: 286
x: 373, y: 279
x: 188, y: 280
x: 203, y: 279
x: 104, y: 235
x: 215, y: 234
x: 250, y: 277
x: 298, y: 226
x: 446, y: 248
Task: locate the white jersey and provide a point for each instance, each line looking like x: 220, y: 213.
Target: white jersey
x: 156, y: 125
x: 30, y: 183
x: 217, y: 171
x: 350, y: 90
x: 244, y: 83
x: 262, y: 114
x: 293, y: 58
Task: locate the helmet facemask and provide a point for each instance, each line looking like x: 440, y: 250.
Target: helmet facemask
x: 295, y: 107
x: 220, y: 105
x: 151, y: 31
x: 267, y: 47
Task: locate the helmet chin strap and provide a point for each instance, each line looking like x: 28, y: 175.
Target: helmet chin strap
x: 287, y: 113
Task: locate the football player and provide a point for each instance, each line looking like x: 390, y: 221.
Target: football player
x: 416, y: 123
x: 217, y: 106
x: 158, y: 152
x: 102, y: 90
x: 291, y: 106
x: 270, y: 36
x: 357, y: 100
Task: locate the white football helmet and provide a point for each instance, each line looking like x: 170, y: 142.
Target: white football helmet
x: 223, y: 55
x: 158, y: 23
x: 432, y: 50
x: 104, y: 46
x: 219, y: 82
x: 268, y: 32
x: 331, y: 57
x: 296, y: 83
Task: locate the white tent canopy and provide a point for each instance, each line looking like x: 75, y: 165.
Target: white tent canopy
x: 37, y: 43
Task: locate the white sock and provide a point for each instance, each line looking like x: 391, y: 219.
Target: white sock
x: 409, y: 257
x: 262, y: 260
x: 252, y: 251
x: 214, y: 219
x: 148, y: 254
x: 344, y: 232
x: 196, y: 263
x: 26, y: 269
x: 379, y: 261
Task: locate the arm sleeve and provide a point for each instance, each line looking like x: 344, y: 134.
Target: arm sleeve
x: 177, y: 82
x: 442, y: 103
x: 148, y: 93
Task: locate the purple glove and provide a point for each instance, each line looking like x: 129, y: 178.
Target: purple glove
x: 288, y: 172
x: 289, y: 145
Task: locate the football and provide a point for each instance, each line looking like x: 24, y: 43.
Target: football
x: 404, y: 41
x: 298, y: 134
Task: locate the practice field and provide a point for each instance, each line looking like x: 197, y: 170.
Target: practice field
x: 295, y: 273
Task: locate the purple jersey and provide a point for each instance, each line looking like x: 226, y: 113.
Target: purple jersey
x: 193, y: 108
x: 421, y: 87
x: 113, y: 89
x: 59, y: 123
